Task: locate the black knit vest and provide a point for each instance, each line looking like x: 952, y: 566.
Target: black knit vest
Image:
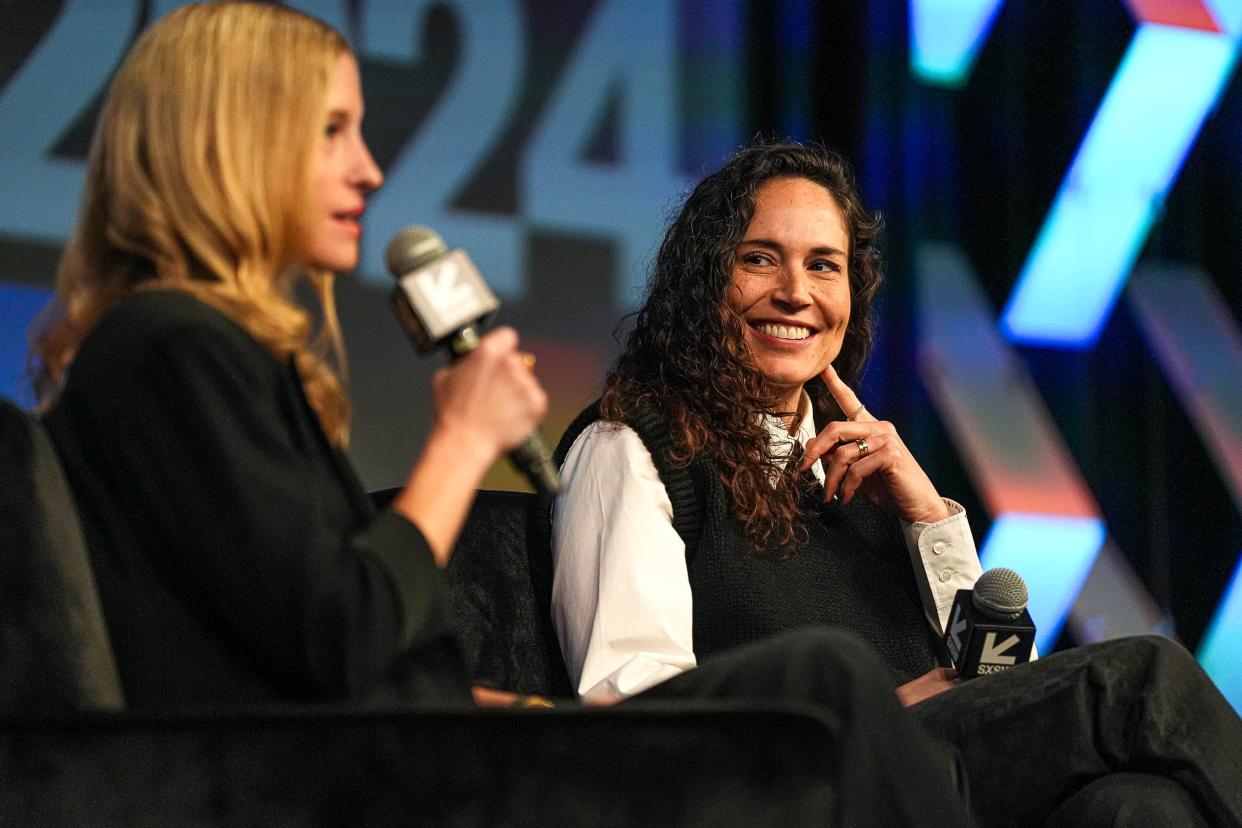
x: 853, y: 572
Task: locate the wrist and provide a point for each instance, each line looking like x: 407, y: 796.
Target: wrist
x: 441, y: 486
x: 471, y: 447
x: 932, y: 512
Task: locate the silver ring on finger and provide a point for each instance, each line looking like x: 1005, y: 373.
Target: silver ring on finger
x: 863, y: 448
x: 857, y: 411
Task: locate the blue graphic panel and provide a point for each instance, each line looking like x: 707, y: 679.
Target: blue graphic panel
x: 1053, y: 554
x: 1220, y: 653
x: 18, y: 305
x: 1168, y: 82
x: 1228, y: 14
x: 946, y: 36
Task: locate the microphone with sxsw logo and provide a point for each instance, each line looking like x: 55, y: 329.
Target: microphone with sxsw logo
x: 442, y: 300
x: 990, y: 629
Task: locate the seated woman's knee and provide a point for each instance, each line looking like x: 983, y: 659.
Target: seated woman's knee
x: 1149, y: 649
x: 1143, y: 660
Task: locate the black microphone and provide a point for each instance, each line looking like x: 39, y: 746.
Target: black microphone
x: 990, y: 629
x: 441, y: 300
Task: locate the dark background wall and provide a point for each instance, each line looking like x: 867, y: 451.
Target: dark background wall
x: 551, y: 138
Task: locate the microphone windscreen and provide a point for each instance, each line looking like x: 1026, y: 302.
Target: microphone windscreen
x: 1001, y: 593
x: 413, y: 248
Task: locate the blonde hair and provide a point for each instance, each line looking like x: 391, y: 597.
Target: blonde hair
x: 199, y: 179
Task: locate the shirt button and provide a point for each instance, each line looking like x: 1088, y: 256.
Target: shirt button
x: 938, y: 547
x: 945, y: 575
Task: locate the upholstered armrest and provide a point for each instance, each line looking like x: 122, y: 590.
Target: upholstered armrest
x: 715, y: 764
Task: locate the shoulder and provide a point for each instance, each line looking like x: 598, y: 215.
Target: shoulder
x: 608, y: 471
x: 604, y: 440
x: 167, y: 350
x: 643, y: 429
x: 170, y: 332
x: 608, y: 451
x: 160, y: 314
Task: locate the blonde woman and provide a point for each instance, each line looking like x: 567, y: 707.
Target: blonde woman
x: 201, y: 417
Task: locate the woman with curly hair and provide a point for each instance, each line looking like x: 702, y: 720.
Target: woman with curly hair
x: 679, y: 493
x: 201, y: 419
x: 730, y: 506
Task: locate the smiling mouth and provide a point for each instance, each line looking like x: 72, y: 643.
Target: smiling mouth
x: 788, y: 332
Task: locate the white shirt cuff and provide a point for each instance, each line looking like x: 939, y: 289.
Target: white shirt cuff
x: 946, y: 551
x: 636, y: 675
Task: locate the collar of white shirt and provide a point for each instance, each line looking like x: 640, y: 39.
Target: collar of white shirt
x: 782, y: 441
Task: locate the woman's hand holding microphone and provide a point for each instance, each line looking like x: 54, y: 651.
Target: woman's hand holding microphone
x: 486, y: 404
x: 490, y: 399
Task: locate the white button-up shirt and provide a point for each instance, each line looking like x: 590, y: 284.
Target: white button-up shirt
x: 621, y: 597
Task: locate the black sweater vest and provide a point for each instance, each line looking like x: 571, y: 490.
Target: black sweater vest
x: 854, y: 571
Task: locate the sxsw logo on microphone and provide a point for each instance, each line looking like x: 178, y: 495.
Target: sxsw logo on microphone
x: 980, y: 644
x: 446, y: 295
x: 993, y: 659
x: 449, y: 296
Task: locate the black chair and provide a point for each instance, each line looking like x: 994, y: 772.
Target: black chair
x: 54, y: 648
x: 69, y: 755
x: 715, y: 765
x: 500, y: 578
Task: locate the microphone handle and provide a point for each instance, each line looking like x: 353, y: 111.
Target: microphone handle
x: 532, y: 459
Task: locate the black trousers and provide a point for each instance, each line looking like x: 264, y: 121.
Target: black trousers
x: 1132, y: 724
x: 890, y: 772
x: 1126, y: 732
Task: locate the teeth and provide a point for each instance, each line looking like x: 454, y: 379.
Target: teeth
x: 784, y: 331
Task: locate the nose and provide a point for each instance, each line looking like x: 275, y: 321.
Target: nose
x: 367, y: 174
x: 793, y: 290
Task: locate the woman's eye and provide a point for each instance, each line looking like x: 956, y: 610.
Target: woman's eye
x: 332, y: 129
x: 755, y: 259
x: 826, y: 267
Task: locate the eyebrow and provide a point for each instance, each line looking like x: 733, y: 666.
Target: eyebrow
x: 822, y: 250
x: 343, y: 112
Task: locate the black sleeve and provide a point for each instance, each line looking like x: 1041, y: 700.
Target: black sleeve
x: 224, y: 470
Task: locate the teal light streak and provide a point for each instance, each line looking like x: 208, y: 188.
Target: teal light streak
x: 1168, y: 81
x: 1220, y: 652
x: 946, y: 36
x: 1053, y: 554
x: 1227, y: 13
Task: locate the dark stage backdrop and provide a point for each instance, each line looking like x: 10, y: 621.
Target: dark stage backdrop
x: 1062, y: 182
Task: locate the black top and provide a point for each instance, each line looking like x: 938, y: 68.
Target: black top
x: 853, y: 571
x: 237, y: 556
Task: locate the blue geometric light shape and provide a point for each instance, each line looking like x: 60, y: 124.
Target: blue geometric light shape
x: 1169, y: 80
x: 1220, y: 652
x: 1228, y: 14
x: 946, y: 36
x: 18, y: 306
x: 1053, y: 554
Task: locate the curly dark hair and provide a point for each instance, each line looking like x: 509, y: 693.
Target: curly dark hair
x: 686, y: 356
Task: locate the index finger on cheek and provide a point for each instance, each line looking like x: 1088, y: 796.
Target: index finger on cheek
x: 847, y: 400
